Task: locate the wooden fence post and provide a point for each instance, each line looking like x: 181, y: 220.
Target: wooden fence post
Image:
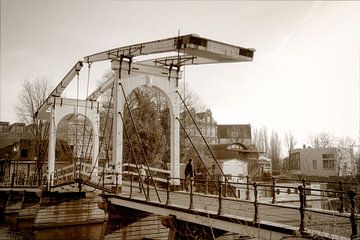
x: 220, y: 196
x: 302, y: 209
x: 191, y: 194
x: 168, y: 188
x: 354, y: 233
x: 256, y: 205
x: 341, y: 197
x: 273, y: 190
x: 247, y: 188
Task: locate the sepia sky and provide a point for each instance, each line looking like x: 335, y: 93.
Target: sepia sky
x: 304, y: 77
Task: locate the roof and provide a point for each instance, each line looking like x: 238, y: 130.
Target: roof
x: 231, y: 150
x: 226, y: 131
x: 264, y: 158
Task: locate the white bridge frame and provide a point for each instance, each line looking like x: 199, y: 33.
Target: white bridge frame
x: 158, y: 64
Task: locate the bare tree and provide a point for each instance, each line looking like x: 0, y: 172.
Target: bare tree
x: 192, y: 99
x: 275, y: 151
x: 289, y: 141
x: 260, y: 139
x: 322, y: 140
x: 345, y: 142
x: 31, y: 96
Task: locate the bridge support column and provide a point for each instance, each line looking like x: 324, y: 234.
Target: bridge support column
x: 174, y: 131
x: 175, y: 142
x: 117, y: 154
x: 51, y: 149
x: 95, y: 149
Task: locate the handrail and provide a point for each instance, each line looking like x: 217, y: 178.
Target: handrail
x: 348, y: 220
x: 294, y: 202
x: 150, y: 168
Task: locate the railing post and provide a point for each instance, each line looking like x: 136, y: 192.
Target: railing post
x: 256, y: 210
x: 49, y: 182
x: 220, y: 196
x: 116, y: 183
x: 81, y: 166
x: 79, y: 184
x: 148, y: 188
x: 206, y: 185
x: 304, y: 185
x: 103, y: 178
x: 168, y: 187
x: 131, y: 185
x: 247, y: 188
x: 273, y: 190
x: 36, y: 180
x: 354, y: 233
x: 191, y: 193
x: 12, y: 179
x: 225, y: 188
x: 302, y: 209
x: 341, y: 197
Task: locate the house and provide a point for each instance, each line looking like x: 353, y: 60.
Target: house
x: 236, y: 160
x: 324, y: 162
x: 265, y: 165
x: 11, y: 133
x: 208, y: 127
x: 204, y: 121
x: 21, y: 157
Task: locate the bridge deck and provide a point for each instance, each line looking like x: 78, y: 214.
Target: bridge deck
x: 237, y: 214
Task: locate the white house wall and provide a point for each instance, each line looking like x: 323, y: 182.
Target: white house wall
x: 344, y: 162
x: 235, y: 167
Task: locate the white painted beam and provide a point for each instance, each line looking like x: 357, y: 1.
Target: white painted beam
x: 135, y: 68
x: 60, y: 87
x: 205, y: 50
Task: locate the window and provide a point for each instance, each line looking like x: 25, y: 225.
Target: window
x: 328, y: 161
x: 234, y: 134
x: 24, y: 153
x: 314, y: 164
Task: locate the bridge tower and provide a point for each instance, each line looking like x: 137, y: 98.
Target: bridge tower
x: 127, y: 78
x: 56, y: 108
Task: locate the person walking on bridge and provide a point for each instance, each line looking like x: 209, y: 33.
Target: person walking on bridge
x: 190, y: 173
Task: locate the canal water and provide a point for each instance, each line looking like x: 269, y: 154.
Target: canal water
x: 9, y: 230
x: 147, y: 228
x: 72, y: 213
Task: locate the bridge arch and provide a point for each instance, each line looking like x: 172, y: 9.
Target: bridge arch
x: 71, y: 128
x: 125, y: 83
x: 63, y: 107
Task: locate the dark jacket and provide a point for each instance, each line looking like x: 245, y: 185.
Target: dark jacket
x: 190, y: 170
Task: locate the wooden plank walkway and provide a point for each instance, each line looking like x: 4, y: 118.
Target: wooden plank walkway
x: 280, y: 217
x: 329, y: 224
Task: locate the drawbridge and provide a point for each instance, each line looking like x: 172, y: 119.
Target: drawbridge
x: 213, y: 204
